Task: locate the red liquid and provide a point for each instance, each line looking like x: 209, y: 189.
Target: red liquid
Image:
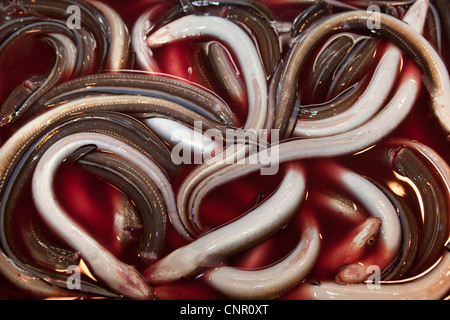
x: 91, y: 201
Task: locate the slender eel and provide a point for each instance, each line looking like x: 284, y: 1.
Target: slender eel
x: 118, y: 275
x: 60, y: 38
x: 147, y: 107
x: 16, y: 105
x: 144, y: 193
x: 433, y: 283
x: 372, y: 100
x: 249, y: 62
x: 90, y: 17
x: 240, y: 44
x: 336, y: 105
x: 272, y: 281
x: 48, y: 27
x: 226, y: 72
x: 438, y: 163
x: 119, y: 47
x: 341, y: 62
x: 378, y: 205
x: 402, y: 266
x: 354, y: 66
x: 432, y: 205
x: 18, y: 143
x: 256, y: 225
x: 265, y: 37
x: 375, y: 94
x: 328, y: 58
x: 184, y: 93
x: 30, y: 25
x: 198, y: 184
x: 152, y: 207
x: 436, y: 76
x: 142, y: 27
x: 189, y: 108
x: 308, y: 17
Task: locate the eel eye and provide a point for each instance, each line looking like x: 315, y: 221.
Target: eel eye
x: 370, y: 242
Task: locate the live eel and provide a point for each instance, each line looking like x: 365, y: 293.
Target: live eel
x: 206, y: 251
x: 436, y: 76
x: 121, y: 277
